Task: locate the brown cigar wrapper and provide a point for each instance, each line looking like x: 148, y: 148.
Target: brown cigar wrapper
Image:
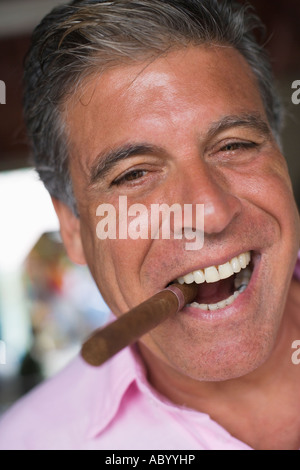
x: 127, y: 329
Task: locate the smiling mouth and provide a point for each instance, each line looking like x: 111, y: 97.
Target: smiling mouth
x: 220, y: 285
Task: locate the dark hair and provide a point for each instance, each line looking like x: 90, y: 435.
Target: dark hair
x: 75, y: 40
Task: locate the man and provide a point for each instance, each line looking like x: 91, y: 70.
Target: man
x: 168, y: 102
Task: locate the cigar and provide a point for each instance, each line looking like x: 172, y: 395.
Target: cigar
x: 127, y: 329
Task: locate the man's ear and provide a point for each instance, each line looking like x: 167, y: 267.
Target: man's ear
x: 70, y: 231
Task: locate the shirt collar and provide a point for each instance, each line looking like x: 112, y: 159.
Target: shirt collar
x: 113, y: 380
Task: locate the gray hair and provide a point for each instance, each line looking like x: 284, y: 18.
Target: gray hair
x: 78, y: 39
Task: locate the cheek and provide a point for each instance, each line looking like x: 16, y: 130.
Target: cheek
x: 90, y: 242
x: 266, y: 184
x: 114, y: 263
x: 127, y: 257
x: 280, y: 204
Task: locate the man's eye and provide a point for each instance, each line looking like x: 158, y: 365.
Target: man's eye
x: 130, y: 176
x: 232, y: 146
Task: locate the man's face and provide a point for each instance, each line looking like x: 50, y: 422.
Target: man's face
x: 198, y: 134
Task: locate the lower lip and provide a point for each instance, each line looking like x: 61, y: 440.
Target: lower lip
x: 237, y: 306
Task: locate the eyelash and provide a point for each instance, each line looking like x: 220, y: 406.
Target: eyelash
x: 237, y: 146
x: 124, y: 178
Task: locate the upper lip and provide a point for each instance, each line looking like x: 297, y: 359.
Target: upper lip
x: 209, y: 262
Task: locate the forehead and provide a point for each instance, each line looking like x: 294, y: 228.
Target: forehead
x: 190, y: 87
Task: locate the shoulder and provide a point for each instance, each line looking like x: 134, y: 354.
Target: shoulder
x: 56, y: 414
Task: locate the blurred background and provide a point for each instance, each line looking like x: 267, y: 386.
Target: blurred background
x: 47, y: 304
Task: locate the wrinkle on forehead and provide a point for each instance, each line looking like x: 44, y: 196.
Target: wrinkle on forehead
x: 193, y: 80
x: 160, y: 71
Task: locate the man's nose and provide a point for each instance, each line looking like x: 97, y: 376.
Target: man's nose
x: 208, y: 186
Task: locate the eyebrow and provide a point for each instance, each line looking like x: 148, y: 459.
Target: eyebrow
x: 106, y: 160
x: 253, y: 121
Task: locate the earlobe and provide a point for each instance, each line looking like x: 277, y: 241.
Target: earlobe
x: 70, y: 231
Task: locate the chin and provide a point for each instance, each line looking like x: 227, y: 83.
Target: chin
x: 228, y: 362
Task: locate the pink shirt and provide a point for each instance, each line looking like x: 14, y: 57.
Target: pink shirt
x: 110, y: 407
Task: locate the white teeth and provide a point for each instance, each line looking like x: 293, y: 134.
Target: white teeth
x: 199, y: 276
x: 189, y: 278
x: 215, y: 273
x: 212, y: 307
x: 235, y: 265
x: 201, y: 306
x: 222, y: 303
x: 225, y: 270
x: 211, y: 274
x: 242, y: 260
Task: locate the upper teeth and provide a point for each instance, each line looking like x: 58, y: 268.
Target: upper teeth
x: 215, y: 273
